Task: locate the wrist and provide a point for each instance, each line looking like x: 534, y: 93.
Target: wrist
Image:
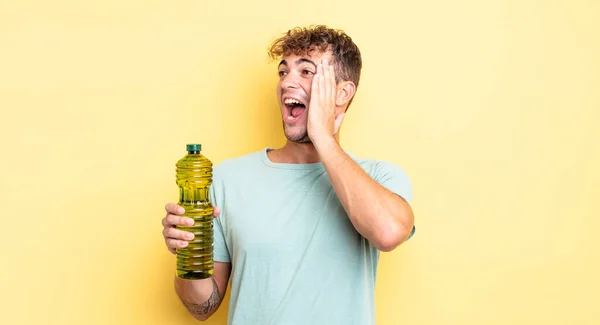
x: 325, y: 145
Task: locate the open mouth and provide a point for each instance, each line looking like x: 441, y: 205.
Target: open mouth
x: 294, y: 107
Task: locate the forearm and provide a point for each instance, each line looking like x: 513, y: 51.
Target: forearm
x: 200, y: 297
x: 381, y: 216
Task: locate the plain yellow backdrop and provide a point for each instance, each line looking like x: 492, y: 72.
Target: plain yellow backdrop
x: 492, y: 107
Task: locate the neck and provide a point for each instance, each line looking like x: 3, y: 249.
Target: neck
x: 295, y: 153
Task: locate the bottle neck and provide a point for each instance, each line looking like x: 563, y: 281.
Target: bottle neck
x: 194, y: 152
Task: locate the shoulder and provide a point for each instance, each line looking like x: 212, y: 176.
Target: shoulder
x: 390, y: 175
x: 379, y: 169
x: 236, y: 169
x: 237, y: 165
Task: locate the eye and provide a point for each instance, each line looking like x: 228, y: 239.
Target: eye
x: 308, y: 72
x: 282, y: 73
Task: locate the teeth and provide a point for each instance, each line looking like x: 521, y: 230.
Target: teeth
x: 290, y: 117
x: 292, y: 101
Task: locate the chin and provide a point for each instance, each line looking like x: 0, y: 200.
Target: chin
x: 296, y: 134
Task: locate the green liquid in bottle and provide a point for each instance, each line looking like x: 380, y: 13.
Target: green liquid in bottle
x: 194, y: 177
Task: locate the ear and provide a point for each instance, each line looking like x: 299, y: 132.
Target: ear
x: 345, y: 92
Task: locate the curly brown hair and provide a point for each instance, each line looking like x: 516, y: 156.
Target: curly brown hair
x: 304, y: 40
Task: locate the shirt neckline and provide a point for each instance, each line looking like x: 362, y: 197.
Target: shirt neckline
x: 306, y: 166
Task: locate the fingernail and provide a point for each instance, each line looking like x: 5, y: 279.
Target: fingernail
x: 190, y: 236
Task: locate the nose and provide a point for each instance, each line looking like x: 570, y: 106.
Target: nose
x: 290, y: 81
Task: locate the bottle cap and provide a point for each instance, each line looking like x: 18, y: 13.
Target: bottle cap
x: 194, y: 147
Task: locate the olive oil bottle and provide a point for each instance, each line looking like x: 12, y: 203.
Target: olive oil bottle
x: 194, y: 177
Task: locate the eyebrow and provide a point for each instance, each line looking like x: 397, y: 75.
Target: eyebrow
x: 301, y: 60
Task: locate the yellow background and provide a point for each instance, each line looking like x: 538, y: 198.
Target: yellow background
x: 493, y: 108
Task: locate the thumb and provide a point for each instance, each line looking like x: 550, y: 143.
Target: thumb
x: 216, y: 212
x: 338, y: 122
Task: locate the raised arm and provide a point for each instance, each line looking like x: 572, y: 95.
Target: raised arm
x: 381, y: 216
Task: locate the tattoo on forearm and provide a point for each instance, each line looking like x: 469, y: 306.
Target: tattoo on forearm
x: 206, y: 307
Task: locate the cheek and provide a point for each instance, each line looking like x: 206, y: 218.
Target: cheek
x: 307, y: 86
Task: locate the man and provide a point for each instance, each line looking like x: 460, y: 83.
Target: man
x: 298, y: 229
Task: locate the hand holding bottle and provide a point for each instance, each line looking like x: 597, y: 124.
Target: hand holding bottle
x: 175, y: 238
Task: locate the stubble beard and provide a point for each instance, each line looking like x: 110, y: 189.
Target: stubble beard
x: 300, y: 137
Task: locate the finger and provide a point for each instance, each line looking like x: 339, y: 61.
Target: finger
x: 314, y: 92
x: 173, y: 208
x: 332, y: 84
x: 331, y: 81
x: 174, y: 233
x: 323, y: 83
x: 174, y: 243
x: 173, y: 220
x: 326, y: 86
x: 216, y: 211
x: 332, y: 74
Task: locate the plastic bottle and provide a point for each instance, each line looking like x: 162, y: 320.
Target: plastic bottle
x: 194, y: 177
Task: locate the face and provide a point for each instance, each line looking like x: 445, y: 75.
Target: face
x: 293, y: 93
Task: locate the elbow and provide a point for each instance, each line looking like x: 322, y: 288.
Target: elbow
x: 200, y: 317
x: 388, y: 242
x: 393, y: 236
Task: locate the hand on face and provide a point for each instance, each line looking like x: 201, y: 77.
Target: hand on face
x: 322, y: 120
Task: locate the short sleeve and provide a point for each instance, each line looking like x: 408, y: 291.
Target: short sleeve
x: 395, y: 179
x: 220, y: 251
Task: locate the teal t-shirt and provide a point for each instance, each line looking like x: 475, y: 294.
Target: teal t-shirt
x: 296, y: 258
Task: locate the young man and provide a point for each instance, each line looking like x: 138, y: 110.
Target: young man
x: 298, y: 229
